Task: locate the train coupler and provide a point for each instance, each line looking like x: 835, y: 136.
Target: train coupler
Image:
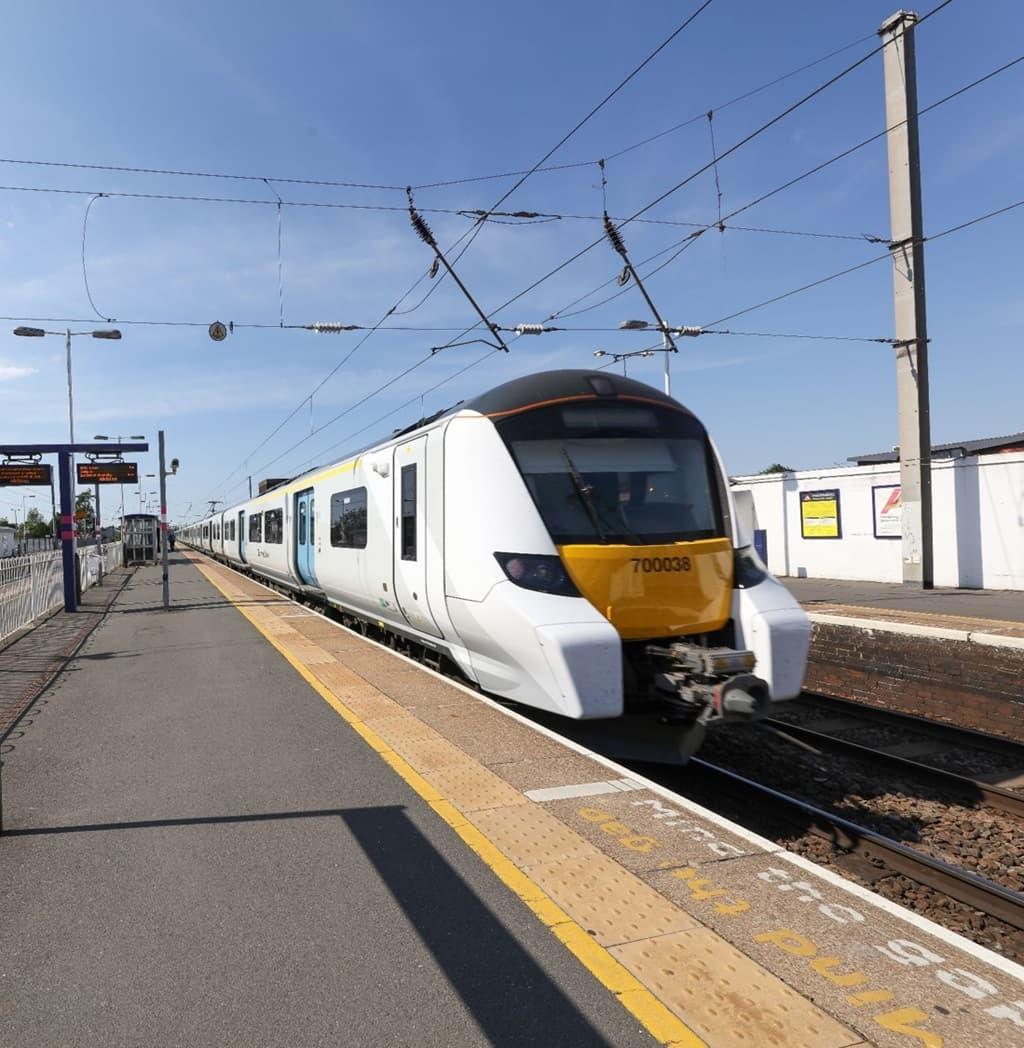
x: 708, y: 683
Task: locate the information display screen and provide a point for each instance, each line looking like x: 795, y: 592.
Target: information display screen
x: 108, y: 472
x: 25, y: 475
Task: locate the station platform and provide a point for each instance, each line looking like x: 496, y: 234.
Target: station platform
x: 997, y: 613
x: 237, y: 823
x: 950, y: 655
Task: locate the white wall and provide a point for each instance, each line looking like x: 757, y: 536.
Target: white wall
x: 977, y: 520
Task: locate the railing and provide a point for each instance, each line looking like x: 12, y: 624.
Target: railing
x: 33, y: 585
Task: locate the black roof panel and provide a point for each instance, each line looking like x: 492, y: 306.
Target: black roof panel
x: 555, y: 385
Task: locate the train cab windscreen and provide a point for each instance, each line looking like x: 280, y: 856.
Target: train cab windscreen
x: 621, y: 473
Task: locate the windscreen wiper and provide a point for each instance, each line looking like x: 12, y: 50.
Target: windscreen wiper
x: 583, y: 494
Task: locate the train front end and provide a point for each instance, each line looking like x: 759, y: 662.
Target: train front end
x: 630, y: 489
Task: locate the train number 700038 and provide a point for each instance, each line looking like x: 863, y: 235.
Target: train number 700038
x: 659, y: 564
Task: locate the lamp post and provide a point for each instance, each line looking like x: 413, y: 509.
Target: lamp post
x: 164, y: 474
x: 119, y: 438
x: 34, y: 332
x: 666, y: 345
x: 24, y: 519
x: 621, y: 358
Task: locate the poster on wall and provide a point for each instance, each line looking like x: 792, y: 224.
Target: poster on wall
x: 819, y: 514
x: 888, y: 511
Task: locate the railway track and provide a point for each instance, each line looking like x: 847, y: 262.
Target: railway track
x: 996, y: 798
x: 933, y: 737
x: 846, y: 837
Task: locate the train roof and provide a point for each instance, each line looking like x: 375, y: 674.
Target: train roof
x: 516, y: 394
x: 559, y: 385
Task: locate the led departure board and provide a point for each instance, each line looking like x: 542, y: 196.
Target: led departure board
x: 25, y: 475
x: 108, y: 472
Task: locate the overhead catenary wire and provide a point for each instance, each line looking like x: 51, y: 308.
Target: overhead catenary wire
x: 863, y: 238
x: 399, y: 186
x: 745, y: 140
x: 867, y: 238
x: 862, y: 265
x: 85, y: 269
x: 596, y: 109
x: 475, y: 214
x: 479, y: 225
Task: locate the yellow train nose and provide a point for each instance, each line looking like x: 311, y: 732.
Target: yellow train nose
x: 656, y: 591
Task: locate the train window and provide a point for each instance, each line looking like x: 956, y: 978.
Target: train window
x: 216, y: 531
x: 273, y: 526
x: 231, y: 530
x: 409, y: 512
x: 255, y: 527
x: 348, y: 519
x: 312, y: 520
x: 302, y: 523
x: 618, y: 473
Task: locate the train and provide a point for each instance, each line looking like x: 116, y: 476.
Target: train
x: 567, y: 541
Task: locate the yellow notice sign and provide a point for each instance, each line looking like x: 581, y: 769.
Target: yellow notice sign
x: 819, y: 514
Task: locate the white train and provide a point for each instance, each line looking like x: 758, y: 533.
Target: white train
x: 567, y: 540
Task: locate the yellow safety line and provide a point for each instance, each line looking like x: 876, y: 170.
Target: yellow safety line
x: 655, y: 1017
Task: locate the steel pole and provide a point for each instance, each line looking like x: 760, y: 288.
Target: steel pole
x: 163, y: 522
x: 907, y: 249
x: 53, y: 514
x: 99, y: 537
x: 67, y: 531
x: 71, y: 431
x: 666, y: 345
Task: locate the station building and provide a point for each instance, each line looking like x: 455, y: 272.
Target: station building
x: 844, y: 522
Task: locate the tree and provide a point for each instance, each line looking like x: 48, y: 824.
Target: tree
x: 35, y: 526
x: 777, y: 467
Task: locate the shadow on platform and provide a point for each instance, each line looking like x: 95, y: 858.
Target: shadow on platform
x: 511, y: 998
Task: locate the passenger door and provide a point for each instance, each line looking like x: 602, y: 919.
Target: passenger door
x: 305, y: 538
x: 241, y: 535
x: 410, y: 545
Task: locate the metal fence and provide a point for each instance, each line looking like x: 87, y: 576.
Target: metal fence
x: 33, y: 585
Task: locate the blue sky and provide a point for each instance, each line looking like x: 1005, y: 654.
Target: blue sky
x: 411, y: 93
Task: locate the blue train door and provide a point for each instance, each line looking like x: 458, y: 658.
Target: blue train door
x: 241, y: 535
x: 305, y: 537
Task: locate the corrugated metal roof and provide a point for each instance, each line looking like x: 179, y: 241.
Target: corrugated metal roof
x: 968, y: 447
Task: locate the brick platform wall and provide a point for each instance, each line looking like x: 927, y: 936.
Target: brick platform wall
x: 969, y: 685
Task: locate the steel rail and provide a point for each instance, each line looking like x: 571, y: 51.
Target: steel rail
x: 994, y: 797
x: 845, y: 836
x: 952, y: 733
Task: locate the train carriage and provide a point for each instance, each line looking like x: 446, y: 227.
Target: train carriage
x: 567, y: 539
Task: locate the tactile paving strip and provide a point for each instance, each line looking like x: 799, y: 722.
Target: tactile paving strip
x: 611, y: 903
x: 528, y: 835
x: 471, y: 787
x: 727, y: 998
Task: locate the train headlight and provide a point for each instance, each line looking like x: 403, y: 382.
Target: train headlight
x: 534, y: 571
x: 748, y: 570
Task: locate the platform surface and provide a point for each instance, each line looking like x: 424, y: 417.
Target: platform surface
x: 999, y: 612
x: 204, y: 854
x: 1007, y: 605
x: 260, y: 829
